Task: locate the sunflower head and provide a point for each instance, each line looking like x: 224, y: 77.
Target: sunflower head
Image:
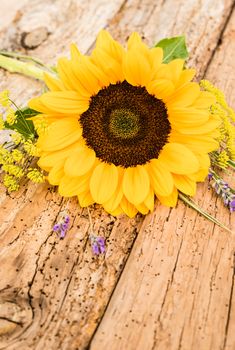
x: 123, y: 127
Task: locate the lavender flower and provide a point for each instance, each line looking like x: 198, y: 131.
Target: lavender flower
x: 210, y: 176
x: 97, y: 244
x: 232, y: 205
x: 61, y: 227
x: 223, y: 189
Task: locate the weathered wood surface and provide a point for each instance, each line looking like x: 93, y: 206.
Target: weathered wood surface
x: 176, y: 289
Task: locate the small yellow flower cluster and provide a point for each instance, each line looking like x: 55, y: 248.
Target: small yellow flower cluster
x: 222, y: 159
x: 40, y: 125
x: 227, y: 128
x: 14, y: 170
x: 31, y: 148
x: 10, y: 116
x: 10, y: 183
x: 15, y: 162
x: 17, y: 155
x: 5, y: 156
x: 17, y: 138
x: 4, y: 98
x: 1, y: 123
x: 36, y: 175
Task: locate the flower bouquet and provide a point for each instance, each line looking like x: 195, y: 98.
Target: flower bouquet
x: 122, y: 128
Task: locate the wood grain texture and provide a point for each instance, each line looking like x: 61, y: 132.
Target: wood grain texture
x: 176, y: 287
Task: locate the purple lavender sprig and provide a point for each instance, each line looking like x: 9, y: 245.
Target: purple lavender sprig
x: 62, y: 226
x: 223, y: 190
x: 97, y: 244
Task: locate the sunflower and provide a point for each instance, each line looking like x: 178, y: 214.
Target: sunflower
x: 123, y: 127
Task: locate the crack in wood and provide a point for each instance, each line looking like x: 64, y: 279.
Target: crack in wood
x: 220, y: 39
x: 11, y: 321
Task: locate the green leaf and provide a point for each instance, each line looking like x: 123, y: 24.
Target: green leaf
x: 173, y: 48
x: 24, y: 126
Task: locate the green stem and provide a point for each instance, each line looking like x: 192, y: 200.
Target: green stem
x: 16, y: 66
x: 231, y: 163
x: 27, y: 58
x: 196, y: 207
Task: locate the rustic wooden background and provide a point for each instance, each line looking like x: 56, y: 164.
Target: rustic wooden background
x: 167, y: 279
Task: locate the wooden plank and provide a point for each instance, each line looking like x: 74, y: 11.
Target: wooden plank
x: 177, y: 289
x: 54, y: 292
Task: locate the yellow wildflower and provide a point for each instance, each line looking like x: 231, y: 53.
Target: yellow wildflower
x: 36, y: 175
x: 1, y: 123
x: 17, y: 155
x: 10, y: 183
x: 10, y: 116
x: 17, y: 138
x: 4, y: 98
x: 31, y: 148
x: 12, y: 169
x: 222, y: 159
x: 221, y: 110
x: 5, y: 156
x: 40, y: 125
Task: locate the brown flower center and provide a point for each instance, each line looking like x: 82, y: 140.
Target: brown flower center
x: 125, y: 125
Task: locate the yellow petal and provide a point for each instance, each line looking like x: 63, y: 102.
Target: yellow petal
x: 135, y: 43
x: 163, y: 72
x: 116, y: 212
x: 161, y: 178
x: 91, y: 77
x: 36, y: 104
x: 204, y: 100
x: 156, y: 57
x: 103, y: 183
x: 136, y: 184
x: 178, y: 159
x: 52, y: 83
x: 114, y: 201
x: 204, y: 161
x: 49, y: 159
x: 128, y: 208
x: 72, y: 186
x: 56, y: 173
x: 85, y: 199
x: 176, y: 67
x: 68, y: 102
x: 149, y: 200
x: 187, y: 116
x: 184, y: 96
x: 208, y: 126
x: 185, y: 77
x: 80, y: 161
x: 74, y: 52
x: 68, y: 77
x: 197, y: 143
x: 161, y: 88
x: 171, y: 200
x: 134, y: 40
x: 185, y: 184
x: 136, y: 68
x: 60, y: 134
x: 111, y: 67
x: 142, y: 208
x: 109, y: 45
